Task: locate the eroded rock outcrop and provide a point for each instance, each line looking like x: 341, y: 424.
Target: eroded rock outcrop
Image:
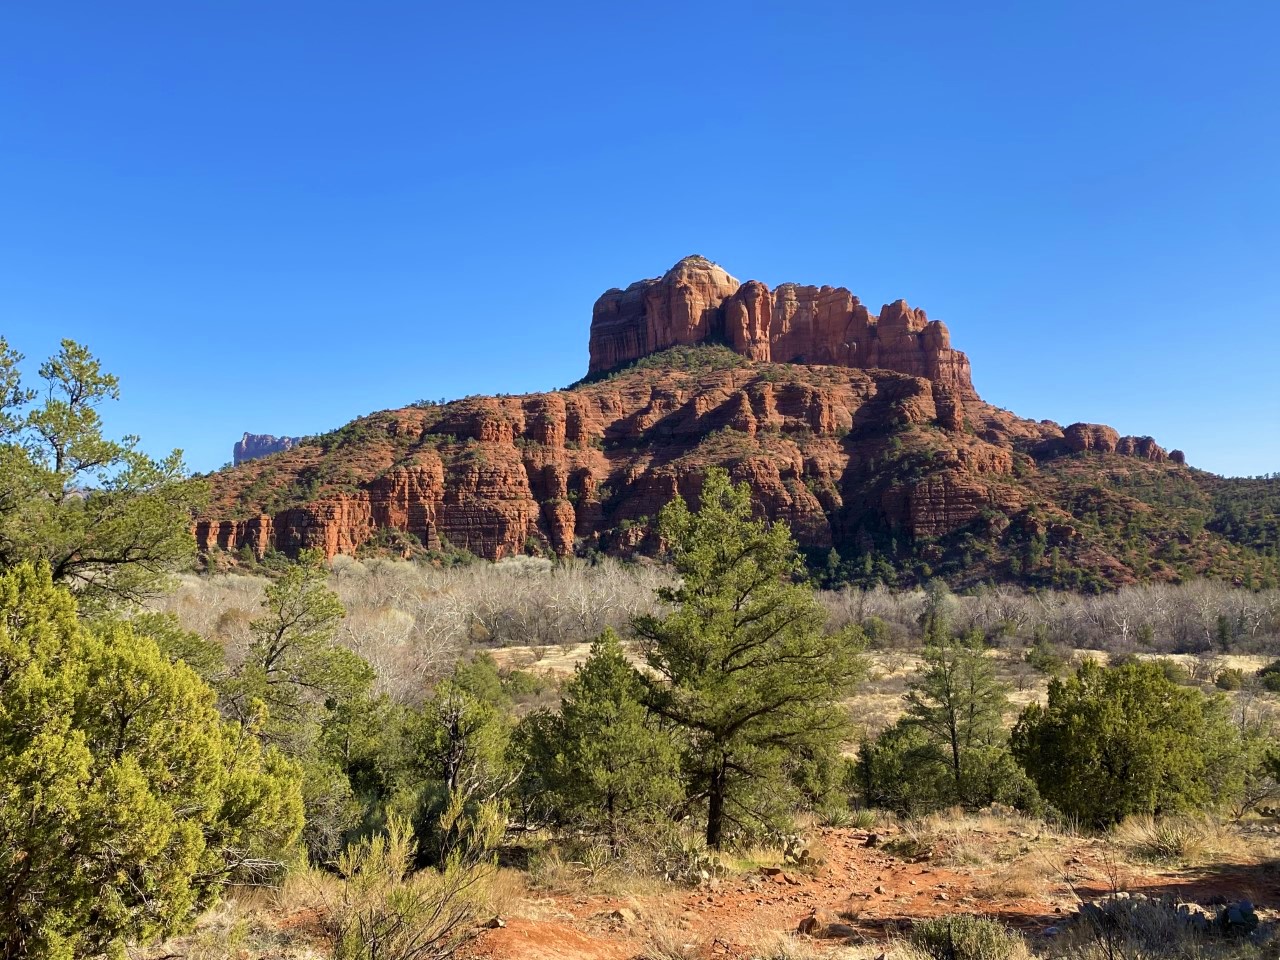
x: 583, y: 469
x: 1083, y: 437
x: 254, y: 445
x: 697, y: 301
x: 862, y: 431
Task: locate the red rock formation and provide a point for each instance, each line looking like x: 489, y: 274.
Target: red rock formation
x: 567, y: 470
x: 682, y: 306
x: 1081, y: 437
x: 860, y: 431
x: 696, y: 301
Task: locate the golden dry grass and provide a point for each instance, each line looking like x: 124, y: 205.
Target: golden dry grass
x: 1182, y: 840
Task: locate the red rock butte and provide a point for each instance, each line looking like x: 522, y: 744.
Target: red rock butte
x: 862, y: 432
x: 696, y: 301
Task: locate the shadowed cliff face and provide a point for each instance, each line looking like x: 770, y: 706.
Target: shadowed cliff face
x: 696, y: 302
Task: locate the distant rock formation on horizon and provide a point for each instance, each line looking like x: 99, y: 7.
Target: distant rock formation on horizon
x: 253, y: 446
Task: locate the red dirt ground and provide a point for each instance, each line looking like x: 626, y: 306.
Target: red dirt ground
x: 729, y: 920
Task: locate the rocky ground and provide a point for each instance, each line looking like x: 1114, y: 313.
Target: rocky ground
x: 858, y: 899
x: 866, y: 892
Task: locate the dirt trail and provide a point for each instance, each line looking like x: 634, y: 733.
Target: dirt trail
x: 1026, y: 881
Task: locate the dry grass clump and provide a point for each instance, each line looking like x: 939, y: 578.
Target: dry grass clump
x: 1022, y: 879
x: 252, y: 923
x: 965, y: 937
x: 783, y: 946
x: 957, y: 837
x: 668, y: 938
x: 1152, y: 930
x: 1186, y: 840
x: 588, y: 866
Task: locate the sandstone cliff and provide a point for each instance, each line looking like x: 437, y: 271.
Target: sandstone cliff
x: 863, y: 432
x: 696, y: 301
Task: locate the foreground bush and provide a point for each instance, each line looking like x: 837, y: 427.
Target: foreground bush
x: 1113, y: 742
x: 125, y: 801
x: 965, y: 937
x: 386, y: 912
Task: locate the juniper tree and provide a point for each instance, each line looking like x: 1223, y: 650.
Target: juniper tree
x: 126, y: 803
x: 610, y: 763
x: 1115, y: 741
x: 741, y: 663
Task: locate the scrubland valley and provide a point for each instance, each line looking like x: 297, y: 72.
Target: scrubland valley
x: 332, y: 728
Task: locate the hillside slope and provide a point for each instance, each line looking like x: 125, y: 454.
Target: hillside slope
x: 901, y: 481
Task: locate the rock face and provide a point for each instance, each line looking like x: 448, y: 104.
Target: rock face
x: 254, y: 445
x: 1083, y: 437
x: 862, y: 432
x: 590, y: 468
x: 696, y: 301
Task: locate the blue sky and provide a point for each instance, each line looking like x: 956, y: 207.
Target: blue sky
x: 277, y: 216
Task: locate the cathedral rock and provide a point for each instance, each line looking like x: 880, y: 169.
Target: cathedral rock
x: 696, y: 301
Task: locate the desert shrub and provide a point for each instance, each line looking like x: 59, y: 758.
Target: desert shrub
x: 1112, y: 742
x: 1046, y: 658
x: 1173, y: 670
x: 1176, y: 839
x: 863, y: 819
x: 835, y: 815
x: 384, y: 911
x: 966, y: 937
x: 1137, y: 927
x: 1270, y: 676
x: 126, y: 803
x: 1229, y: 679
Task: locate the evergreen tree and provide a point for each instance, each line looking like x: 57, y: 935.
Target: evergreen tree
x: 960, y: 705
x: 611, y: 765
x: 109, y: 520
x: 456, y: 749
x: 294, y: 668
x: 126, y: 803
x: 302, y: 691
x: 742, y: 664
x: 949, y: 747
x: 1123, y: 740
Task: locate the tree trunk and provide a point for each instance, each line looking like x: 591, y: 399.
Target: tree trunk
x: 715, y: 807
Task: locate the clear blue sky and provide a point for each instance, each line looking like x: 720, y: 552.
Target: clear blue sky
x: 277, y: 216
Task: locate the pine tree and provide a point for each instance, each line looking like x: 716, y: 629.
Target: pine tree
x: 742, y: 664
x: 960, y: 705
x: 109, y: 520
x: 611, y: 764
x: 293, y: 667
x: 297, y: 685
x: 949, y: 747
